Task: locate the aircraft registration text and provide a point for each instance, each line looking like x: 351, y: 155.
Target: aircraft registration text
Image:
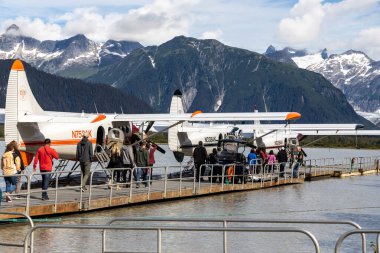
x: 77, y: 134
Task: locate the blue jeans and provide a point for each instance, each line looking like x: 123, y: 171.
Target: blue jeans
x: 146, y: 175
x: 138, y: 173
x: 11, y: 183
x: 295, y: 169
x: 45, y: 183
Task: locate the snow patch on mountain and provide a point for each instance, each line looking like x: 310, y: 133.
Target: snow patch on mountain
x: 307, y: 60
x: 219, y: 101
x: 152, y: 61
x: 188, y: 97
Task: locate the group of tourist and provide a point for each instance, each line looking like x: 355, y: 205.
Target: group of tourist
x: 121, y: 157
x: 256, y: 159
x: 128, y: 156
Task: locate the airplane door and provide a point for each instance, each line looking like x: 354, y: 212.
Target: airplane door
x: 100, y: 137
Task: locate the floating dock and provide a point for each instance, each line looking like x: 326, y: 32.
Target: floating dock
x: 67, y: 197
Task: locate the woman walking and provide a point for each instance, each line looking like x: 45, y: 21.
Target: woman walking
x: 10, y: 165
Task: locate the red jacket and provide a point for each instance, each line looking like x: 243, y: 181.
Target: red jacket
x: 151, y: 154
x: 45, y: 155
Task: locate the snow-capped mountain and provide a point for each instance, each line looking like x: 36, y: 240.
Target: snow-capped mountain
x: 299, y: 58
x: 76, y: 56
x: 356, y: 74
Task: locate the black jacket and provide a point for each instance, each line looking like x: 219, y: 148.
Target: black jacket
x: 200, y: 155
x: 282, y: 156
x: 84, y: 151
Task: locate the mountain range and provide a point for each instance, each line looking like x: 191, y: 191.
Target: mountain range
x: 212, y: 76
x: 353, y: 72
x: 219, y: 78
x: 55, y: 93
x: 73, y: 57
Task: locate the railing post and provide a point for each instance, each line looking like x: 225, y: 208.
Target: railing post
x: 90, y: 193
x: 225, y: 244
x: 180, y: 180
x: 223, y: 175
x: 159, y: 240
x: 56, y: 192
x: 131, y: 184
x: 166, y: 181
x: 29, y: 179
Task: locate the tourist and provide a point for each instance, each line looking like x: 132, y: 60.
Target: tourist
x: 45, y: 156
x: 282, y: 158
x: 298, y: 161
x: 352, y: 165
x: 251, y: 159
x: 152, y: 149
x: 200, y: 157
x: 22, y: 166
x: 84, y: 156
x: 10, y: 167
x: 142, y: 162
x: 128, y: 161
x: 271, y: 160
x: 116, y: 162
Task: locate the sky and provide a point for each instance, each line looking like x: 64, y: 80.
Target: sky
x: 338, y: 25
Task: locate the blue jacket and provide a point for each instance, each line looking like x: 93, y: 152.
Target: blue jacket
x: 252, y: 158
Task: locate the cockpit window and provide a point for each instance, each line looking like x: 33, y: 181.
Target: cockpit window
x: 230, y: 147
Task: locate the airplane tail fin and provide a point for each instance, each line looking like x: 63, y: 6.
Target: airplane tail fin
x: 20, y: 101
x: 176, y: 107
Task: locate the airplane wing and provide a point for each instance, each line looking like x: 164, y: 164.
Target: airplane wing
x: 341, y: 133
x: 199, y: 116
x: 163, y: 117
x: 301, y: 127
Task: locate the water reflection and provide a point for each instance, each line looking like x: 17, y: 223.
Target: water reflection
x: 355, y: 199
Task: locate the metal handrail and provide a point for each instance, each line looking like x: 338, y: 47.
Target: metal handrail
x: 31, y: 223
x: 225, y: 222
x: 161, y: 229
x: 357, y: 231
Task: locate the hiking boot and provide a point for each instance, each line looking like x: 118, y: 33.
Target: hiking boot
x: 45, y: 198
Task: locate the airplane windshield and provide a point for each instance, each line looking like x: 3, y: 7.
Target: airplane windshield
x: 230, y: 147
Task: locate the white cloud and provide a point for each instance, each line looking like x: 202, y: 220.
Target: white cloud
x: 369, y: 39
x: 152, y: 23
x: 313, y: 22
x: 35, y: 28
x: 305, y: 23
x: 213, y: 34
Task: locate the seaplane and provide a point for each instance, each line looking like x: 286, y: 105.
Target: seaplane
x: 184, y: 137
x: 28, y: 124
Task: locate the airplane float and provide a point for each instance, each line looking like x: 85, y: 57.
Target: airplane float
x: 28, y: 124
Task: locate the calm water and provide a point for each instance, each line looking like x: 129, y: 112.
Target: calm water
x: 355, y: 199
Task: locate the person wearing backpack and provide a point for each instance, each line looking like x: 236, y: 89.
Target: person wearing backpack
x: 22, y: 166
x: 10, y: 167
x: 128, y: 162
x: 84, y: 155
x: 45, y: 156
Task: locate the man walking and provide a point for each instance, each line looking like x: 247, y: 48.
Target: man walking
x: 45, y: 155
x: 142, y: 162
x: 84, y: 156
x: 200, y: 157
x: 282, y: 158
